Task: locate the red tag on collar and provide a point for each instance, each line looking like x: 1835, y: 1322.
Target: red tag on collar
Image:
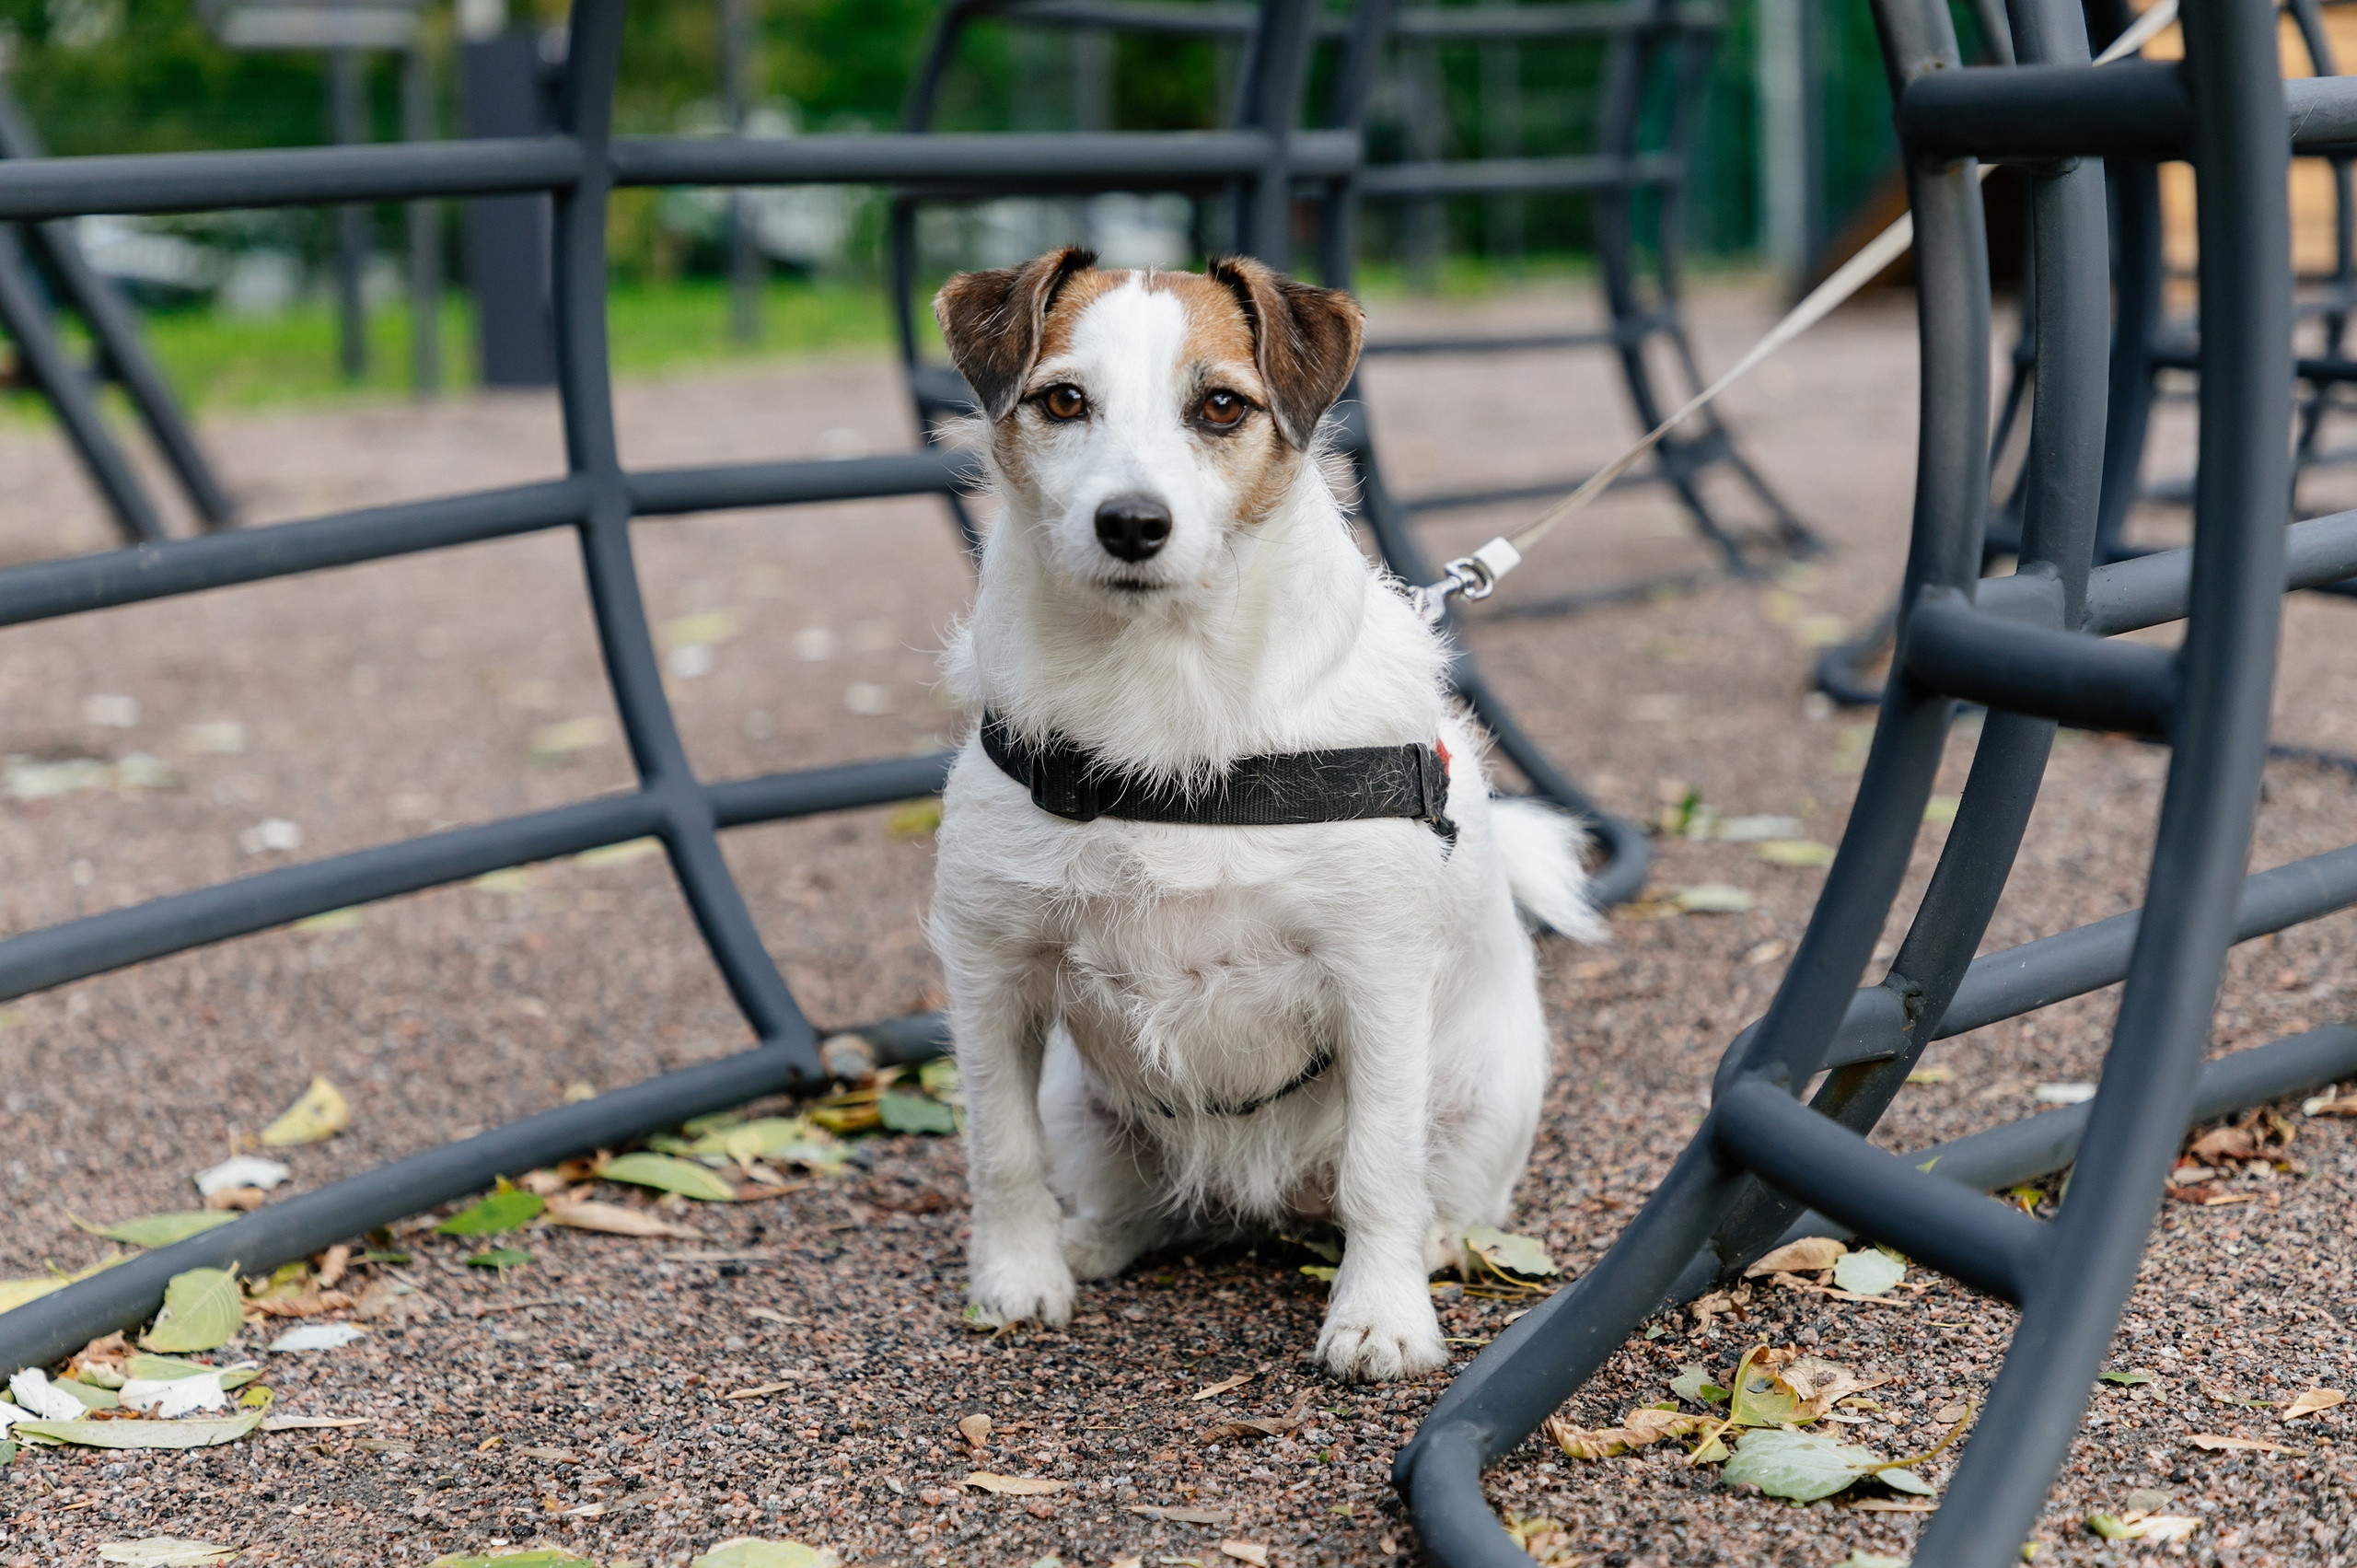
x: 1442, y: 747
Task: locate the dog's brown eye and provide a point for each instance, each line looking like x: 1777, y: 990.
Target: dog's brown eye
x: 1222, y: 408
x: 1064, y: 401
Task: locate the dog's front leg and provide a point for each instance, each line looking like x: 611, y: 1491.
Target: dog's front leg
x: 1015, y: 1264
x: 1379, y: 1320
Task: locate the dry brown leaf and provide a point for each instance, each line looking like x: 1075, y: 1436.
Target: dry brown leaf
x: 763, y: 1392
x: 976, y: 1430
x: 2345, y: 1107
x: 1252, y: 1551
x: 1821, y: 1384
x: 1638, y: 1429
x: 1246, y: 1428
x: 1706, y: 1307
x: 236, y: 1198
x: 1807, y: 1256
x: 333, y: 1262
x: 1015, y: 1485
x: 613, y: 1219
x: 2210, y: 1197
x: 2216, y: 1441
x: 1181, y: 1515
x: 1894, y: 1505
x: 2314, y: 1400
x: 1223, y: 1386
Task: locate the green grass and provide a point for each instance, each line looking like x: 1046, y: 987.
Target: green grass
x: 223, y: 363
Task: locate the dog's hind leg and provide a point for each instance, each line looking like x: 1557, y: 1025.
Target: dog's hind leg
x: 1494, y: 1043
x: 1105, y: 1174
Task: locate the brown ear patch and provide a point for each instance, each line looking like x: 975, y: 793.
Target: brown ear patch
x: 994, y: 321
x: 1305, y: 341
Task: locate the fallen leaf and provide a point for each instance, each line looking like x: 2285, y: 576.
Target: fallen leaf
x: 976, y: 1429
x: 1795, y: 851
x: 938, y: 1078
x: 1252, y: 1551
x: 1251, y: 1427
x: 319, y: 1115
x: 2064, y: 1094
x: 1180, y: 1515
x: 668, y: 1174
x: 506, y: 1208
x: 2327, y: 1105
x: 1805, y: 1466
x: 904, y: 1113
x: 315, y: 1336
x: 745, y: 1552
x: 2127, y: 1379
x: 621, y: 853
x: 157, y: 1230
x: 315, y: 1422
x: 203, y: 1310
x: 1221, y: 1386
x: 32, y: 1388
x: 2314, y: 1400
x: 914, y: 819
x: 174, y: 1397
x: 761, y: 1391
x: 1858, y: 1559
x: 165, y: 1552
x: 546, y: 1557
x: 1014, y: 1485
x: 93, y: 1434
x: 1807, y: 1256
x: 1509, y: 1254
x: 501, y: 1257
x: 1932, y: 1076
x: 568, y: 737
x: 613, y: 1219
x: 1870, y: 1272
x: 1712, y: 898
x: 2134, y: 1525
x: 2215, y: 1442
x: 245, y: 1170
x: 1639, y: 1429
x: 1819, y: 1385
x: 1693, y: 1384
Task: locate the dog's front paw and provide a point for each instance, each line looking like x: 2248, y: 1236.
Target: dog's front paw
x: 1026, y: 1281
x: 1375, y: 1347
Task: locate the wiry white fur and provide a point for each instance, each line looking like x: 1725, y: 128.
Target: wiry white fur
x: 1100, y: 972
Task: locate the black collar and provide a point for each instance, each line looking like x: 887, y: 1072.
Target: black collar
x: 1343, y: 784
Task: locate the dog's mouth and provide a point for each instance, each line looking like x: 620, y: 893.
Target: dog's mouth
x: 1133, y: 586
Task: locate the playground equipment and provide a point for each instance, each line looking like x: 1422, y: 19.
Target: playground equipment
x: 2033, y: 649
x: 1263, y: 162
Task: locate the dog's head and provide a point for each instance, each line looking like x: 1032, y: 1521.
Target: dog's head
x: 1143, y: 417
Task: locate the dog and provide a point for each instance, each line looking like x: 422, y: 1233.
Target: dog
x: 1169, y: 1027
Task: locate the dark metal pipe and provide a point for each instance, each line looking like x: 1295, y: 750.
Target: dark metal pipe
x: 290, y: 176
x: 1962, y: 652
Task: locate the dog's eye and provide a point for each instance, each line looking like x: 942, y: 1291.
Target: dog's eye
x: 1222, y: 410
x: 1064, y: 401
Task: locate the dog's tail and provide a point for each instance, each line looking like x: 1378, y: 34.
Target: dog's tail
x: 1541, y: 849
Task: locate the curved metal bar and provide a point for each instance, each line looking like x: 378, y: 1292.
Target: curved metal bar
x: 2154, y: 1082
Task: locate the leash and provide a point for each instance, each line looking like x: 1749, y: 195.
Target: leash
x: 1476, y: 577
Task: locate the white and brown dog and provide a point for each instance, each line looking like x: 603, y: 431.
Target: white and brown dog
x: 1169, y: 1028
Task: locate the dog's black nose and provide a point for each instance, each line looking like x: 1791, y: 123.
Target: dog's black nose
x: 1132, y: 527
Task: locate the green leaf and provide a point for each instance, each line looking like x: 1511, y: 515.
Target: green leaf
x: 1763, y: 1399
x: 165, y: 1368
x: 203, y: 1310
x: 507, y: 1209
x: 145, y: 1433
x: 2127, y: 1379
x: 15, y: 1293
x: 7, y: 1454
x: 159, y: 1230
x: 1509, y: 1254
x: 670, y: 1175
x: 1898, y: 1478
x: 905, y: 1112
x: 1321, y: 1272
x: 1803, y: 1466
x: 1870, y: 1560
x: 546, y: 1557
x: 938, y: 1078
x: 165, y: 1552
x: 2111, y: 1528
x: 500, y: 1257
x: 745, y: 1551
x: 92, y: 1397
x: 1693, y: 1382
x: 1870, y: 1272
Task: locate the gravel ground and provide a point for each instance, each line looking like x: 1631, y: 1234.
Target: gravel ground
x: 579, y: 1401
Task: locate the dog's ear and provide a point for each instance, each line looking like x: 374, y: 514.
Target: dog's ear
x: 1306, y: 341
x: 993, y: 321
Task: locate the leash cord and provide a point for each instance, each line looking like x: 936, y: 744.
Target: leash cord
x: 1476, y: 577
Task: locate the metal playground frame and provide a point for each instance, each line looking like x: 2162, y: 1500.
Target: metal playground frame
x: 1784, y: 1150
x: 1265, y: 163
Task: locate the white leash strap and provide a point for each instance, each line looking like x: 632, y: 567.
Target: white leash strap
x: 1476, y: 575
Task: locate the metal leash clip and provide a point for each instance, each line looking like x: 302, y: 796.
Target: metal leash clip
x: 1475, y: 576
